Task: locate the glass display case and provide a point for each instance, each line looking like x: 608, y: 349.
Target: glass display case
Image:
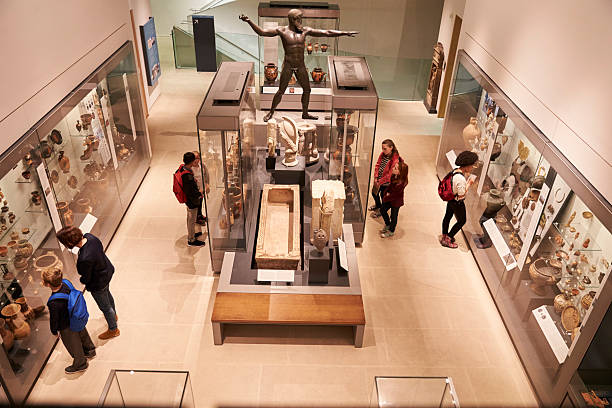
x: 352, y: 135
x: 539, y: 231
x: 97, y: 147
x: 320, y: 15
x: 27, y: 245
x: 226, y: 126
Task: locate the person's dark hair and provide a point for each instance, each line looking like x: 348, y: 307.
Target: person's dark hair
x: 466, y: 158
x: 390, y: 143
x: 188, y: 158
x: 70, y: 236
x: 402, y: 177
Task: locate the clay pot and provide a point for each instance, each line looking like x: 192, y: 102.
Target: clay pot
x: 87, y: 152
x: 502, y: 124
x: 561, y: 302
x: 26, y: 310
x: 471, y: 132
x: 494, y: 201
x: 72, y: 182
x: 54, y: 176
x: 3, y: 251
x: 324, y: 47
x: 543, y: 273
x: 538, y: 182
x: 24, y: 249
x: 64, y: 162
x: 15, y: 320
x: 65, y: 213
x: 271, y: 72
x: 8, y: 337
x: 320, y: 239
x: 318, y: 75
x: 86, y: 119
x: 123, y: 152
x: 14, y: 236
x: 56, y: 136
x: 82, y: 205
x: 26, y: 174
x: 309, y: 48
x: 46, y: 150
x: 78, y: 126
x: 48, y: 260
x: 36, y: 198
x: 315, y: 47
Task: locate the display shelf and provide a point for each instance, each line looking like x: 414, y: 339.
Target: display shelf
x: 568, y: 237
x: 33, y: 208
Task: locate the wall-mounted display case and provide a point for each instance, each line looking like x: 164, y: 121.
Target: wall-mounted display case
x: 79, y: 165
x: 539, y: 231
x: 323, y: 16
x: 352, y: 135
x: 226, y: 125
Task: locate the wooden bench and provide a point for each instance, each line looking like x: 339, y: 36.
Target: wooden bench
x: 288, y: 309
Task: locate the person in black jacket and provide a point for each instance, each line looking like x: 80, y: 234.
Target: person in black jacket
x: 96, y: 271
x: 78, y: 344
x: 193, y: 199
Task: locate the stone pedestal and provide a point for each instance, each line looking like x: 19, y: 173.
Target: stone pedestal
x: 270, y: 163
x: 318, y: 266
x: 290, y: 175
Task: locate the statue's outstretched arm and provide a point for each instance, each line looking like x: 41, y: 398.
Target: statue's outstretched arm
x: 268, y: 32
x: 314, y: 32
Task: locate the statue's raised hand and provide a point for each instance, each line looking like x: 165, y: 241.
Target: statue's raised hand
x: 244, y: 18
x: 352, y: 33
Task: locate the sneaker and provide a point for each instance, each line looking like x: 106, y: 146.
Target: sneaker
x: 446, y: 242
x: 197, y: 234
x: 196, y: 243
x: 109, y: 334
x: 91, y: 354
x: 375, y: 214
x: 73, y: 370
x: 387, y: 234
x: 373, y: 208
x: 201, y: 220
x: 384, y: 229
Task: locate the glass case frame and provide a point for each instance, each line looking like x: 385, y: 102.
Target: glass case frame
x: 226, y: 131
x: 512, y: 266
x: 315, y: 15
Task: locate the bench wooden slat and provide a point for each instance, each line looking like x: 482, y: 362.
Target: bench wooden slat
x: 281, y: 308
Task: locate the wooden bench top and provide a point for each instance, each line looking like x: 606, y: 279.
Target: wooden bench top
x: 281, y: 308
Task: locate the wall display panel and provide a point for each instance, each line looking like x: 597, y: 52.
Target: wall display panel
x: 27, y: 246
x: 538, y: 230
x: 148, y: 37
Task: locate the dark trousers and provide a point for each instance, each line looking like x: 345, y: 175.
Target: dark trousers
x: 78, y: 344
x: 391, y: 223
x: 456, y: 208
x: 106, y: 303
x: 200, y: 215
x: 378, y: 196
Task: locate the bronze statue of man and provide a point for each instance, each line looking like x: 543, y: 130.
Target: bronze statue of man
x: 293, y: 37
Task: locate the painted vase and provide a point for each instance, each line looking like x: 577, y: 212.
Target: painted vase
x: 471, y: 132
x: 271, y: 72
x: 309, y: 48
x: 318, y: 75
x: 65, y: 213
x: 56, y: 136
x: 324, y: 47
x: 64, y: 162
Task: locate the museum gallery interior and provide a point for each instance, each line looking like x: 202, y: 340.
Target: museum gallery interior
x: 299, y: 293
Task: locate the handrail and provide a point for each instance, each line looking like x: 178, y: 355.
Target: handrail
x: 240, y: 48
x: 184, y: 31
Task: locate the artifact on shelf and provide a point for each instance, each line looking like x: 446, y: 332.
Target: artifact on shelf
x: 56, y: 136
x: 333, y: 194
x: 570, y: 318
x: 48, y: 260
x: 63, y: 161
x: 88, y: 150
x: 83, y: 205
x: 308, y: 142
x: 320, y: 240
x: 587, y: 215
x: 24, y: 248
x: 72, y: 182
x: 278, y: 238
x: 14, y: 236
x: 78, y: 126
x: 471, y: 133
x: 435, y: 75
x: 26, y: 174
x: 289, y: 137
x: 26, y: 310
x: 318, y: 75
x: 235, y: 201
x: 15, y: 320
x: 570, y: 220
x: 46, y: 149
x: 495, y: 202
x: 7, y: 335
x: 95, y: 142
x: 497, y: 150
x: 86, y: 120
x: 123, y: 152
x: 25, y: 230
x: 324, y: 47
x: 272, y: 132
x: 36, y: 198
x: 65, y: 213
x: 315, y: 47
x: 309, y: 48
x: 542, y: 273
x: 271, y: 72
x: 54, y: 176
x: 3, y: 251
x: 561, y: 301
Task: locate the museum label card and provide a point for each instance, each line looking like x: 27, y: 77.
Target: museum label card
x: 500, y: 245
x: 451, y: 156
x: 273, y: 275
x: 554, y: 338
x: 342, y: 254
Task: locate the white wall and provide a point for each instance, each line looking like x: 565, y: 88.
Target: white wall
x: 47, y: 49
x: 552, y: 58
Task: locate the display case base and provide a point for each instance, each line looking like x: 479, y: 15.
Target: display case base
x: 290, y: 175
x: 319, y: 264
x: 270, y: 163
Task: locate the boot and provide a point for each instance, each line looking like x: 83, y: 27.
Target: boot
x: 109, y: 334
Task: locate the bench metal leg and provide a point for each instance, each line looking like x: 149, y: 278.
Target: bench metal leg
x: 217, y: 333
x: 359, y: 330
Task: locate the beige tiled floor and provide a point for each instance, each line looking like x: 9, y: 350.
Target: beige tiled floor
x: 428, y: 310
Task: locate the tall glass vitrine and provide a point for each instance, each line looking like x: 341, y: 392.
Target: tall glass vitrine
x: 541, y: 234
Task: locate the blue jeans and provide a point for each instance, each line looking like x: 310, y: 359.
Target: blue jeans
x: 106, y: 303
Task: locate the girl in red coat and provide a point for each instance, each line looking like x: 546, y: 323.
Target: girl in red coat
x: 394, y: 198
x: 382, y: 174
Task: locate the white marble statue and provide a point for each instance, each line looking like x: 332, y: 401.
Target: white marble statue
x: 289, y: 136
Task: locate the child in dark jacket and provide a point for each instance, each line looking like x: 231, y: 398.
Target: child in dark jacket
x: 393, y: 198
x: 78, y: 344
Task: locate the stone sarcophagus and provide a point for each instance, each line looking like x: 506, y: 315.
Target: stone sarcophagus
x: 278, y: 238
x: 327, y: 194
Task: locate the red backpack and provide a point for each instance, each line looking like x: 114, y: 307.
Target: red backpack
x: 445, y: 188
x: 177, y: 185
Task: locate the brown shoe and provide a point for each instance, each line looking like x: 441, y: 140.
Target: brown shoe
x: 109, y: 334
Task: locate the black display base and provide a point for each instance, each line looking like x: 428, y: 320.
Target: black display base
x: 290, y: 175
x: 319, y: 264
x: 270, y: 163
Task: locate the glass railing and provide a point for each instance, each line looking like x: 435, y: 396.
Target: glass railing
x: 184, y: 48
x: 238, y: 47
